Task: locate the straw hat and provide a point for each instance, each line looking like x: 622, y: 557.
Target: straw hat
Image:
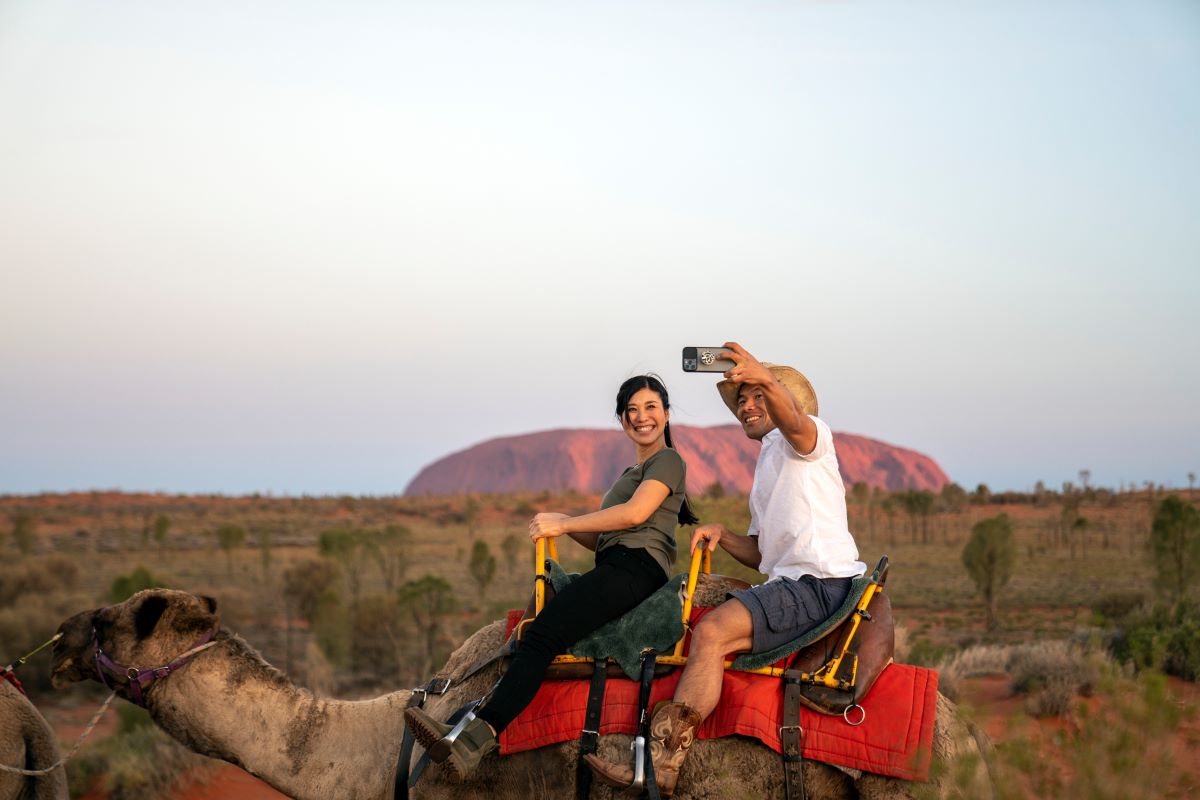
x: 792, y: 380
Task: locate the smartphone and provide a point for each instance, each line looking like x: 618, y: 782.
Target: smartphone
x: 706, y: 359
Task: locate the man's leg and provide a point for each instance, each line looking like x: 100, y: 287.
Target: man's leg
x: 726, y: 629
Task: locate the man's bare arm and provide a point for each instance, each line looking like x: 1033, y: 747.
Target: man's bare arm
x: 743, y: 548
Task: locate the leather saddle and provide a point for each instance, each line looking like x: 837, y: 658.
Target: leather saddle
x: 837, y: 670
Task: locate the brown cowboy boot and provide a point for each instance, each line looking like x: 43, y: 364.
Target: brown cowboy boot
x: 474, y: 742
x: 672, y: 731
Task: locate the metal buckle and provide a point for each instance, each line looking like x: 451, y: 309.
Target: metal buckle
x: 438, y: 685
x: 798, y: 728
x: 861, y: 719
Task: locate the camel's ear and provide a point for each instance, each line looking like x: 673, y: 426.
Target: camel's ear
x: 211, y: 602
x: 148, y: 615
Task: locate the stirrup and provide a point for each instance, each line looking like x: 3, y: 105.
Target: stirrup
x: 638, y: 746
x: 449, y: 738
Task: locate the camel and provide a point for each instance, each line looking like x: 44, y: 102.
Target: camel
x: 228, y: 703
x: 26, y: 742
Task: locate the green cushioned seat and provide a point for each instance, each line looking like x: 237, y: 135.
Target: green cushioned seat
x: 656, y: 623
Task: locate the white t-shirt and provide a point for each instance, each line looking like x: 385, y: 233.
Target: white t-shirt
x: 798, y: 511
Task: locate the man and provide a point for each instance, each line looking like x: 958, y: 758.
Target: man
x: 798, y: 537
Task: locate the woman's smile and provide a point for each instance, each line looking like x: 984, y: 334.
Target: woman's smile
x: 645, y: 418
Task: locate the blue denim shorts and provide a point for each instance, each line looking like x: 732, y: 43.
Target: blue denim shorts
x: 785, y: 609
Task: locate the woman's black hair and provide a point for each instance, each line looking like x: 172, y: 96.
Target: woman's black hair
x: 652, y: 382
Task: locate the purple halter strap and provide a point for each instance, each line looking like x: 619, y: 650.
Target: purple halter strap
x: 139, y: 679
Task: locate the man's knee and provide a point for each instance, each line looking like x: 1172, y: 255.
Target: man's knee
x: 728, y: 626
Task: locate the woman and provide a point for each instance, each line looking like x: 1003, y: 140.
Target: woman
x: 633, y: 535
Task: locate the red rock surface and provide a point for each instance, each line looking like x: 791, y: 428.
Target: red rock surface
x: 589, y: 460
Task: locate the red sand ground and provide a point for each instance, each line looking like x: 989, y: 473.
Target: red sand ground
x: 1002, y: 716
x: 226, y: 782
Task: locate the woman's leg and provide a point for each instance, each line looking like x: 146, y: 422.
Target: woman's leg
x: 621, y: 580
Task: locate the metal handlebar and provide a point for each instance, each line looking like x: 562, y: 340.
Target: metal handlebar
x: 542, y: 549
x: 701, y: 559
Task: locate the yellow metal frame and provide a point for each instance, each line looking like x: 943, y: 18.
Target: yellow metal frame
x: 826, y: 675
x: 702, y: 561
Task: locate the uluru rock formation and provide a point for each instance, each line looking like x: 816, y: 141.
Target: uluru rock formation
x: 589, y: 460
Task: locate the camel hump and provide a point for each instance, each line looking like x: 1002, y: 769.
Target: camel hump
x: 27, y: 742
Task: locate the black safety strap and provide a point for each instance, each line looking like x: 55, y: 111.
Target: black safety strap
x: 416, y: 698
x: 791, y: 737
x: 649, y: 660
x: 589, y: 738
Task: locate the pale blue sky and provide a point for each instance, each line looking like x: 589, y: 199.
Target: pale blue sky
x: 302, y: 247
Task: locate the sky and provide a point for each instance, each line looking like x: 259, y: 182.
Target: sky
x: 298, y: 247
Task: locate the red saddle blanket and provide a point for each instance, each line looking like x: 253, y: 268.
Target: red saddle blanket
x: 895, y: 739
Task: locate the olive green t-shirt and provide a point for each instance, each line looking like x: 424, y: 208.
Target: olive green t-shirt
x: 657, y: 534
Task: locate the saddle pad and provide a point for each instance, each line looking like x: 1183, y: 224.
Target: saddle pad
x: 655, y: 623
x: 895, y: 739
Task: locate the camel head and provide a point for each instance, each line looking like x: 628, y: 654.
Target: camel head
x: 150, y: 629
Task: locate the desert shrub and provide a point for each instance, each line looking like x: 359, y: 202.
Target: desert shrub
x: 29, y: 622
x: 482, y: 565
x: 380, y: 640
x: 1054, y: 699
x: 131, y: 717
x: 903, y: 646
x: 1164, y: 638
x: 1175, y: 545
x: 126, y: 586
x: 304, y: 583
x: 1050, y: 672
x: 24, y: 528
x: 331, y: 627
x: 1116, y: 606
x: 1121, y: 748
x: 139, y: 762
x: 512, y: 548
x: 925, y: 653
x: 989, y: 556
x: 1038, y: 666
x: 976, y: 660
x: 36, y: 576
x: 229, y: 538
x: 236, y: 608
x: 429, y: 602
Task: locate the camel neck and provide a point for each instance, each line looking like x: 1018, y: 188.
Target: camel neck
x: 231, y: 705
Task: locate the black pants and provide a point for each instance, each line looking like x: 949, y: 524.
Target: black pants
x: 622, y: 579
